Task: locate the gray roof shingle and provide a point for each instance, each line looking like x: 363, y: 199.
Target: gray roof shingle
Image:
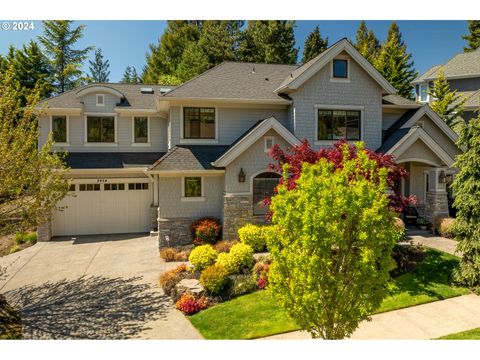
x: 189, y: 157
x: 235, y: 80
x: 398, y: 100
x: 133, y: 98
x: 104, y: 160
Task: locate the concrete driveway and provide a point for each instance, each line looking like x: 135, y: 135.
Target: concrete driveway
x: 93, y: 287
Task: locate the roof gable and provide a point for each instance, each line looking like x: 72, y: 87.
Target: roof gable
x: 300, y: 75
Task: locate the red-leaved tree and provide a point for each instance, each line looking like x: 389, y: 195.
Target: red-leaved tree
x: 298, y: 154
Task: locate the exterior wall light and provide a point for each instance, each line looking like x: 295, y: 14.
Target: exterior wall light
x: 241, y: 176
x: 442, y: 178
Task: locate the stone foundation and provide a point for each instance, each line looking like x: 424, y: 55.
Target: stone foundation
x: 154, y: 218
x: 44, y: 232
x: 238, y: 211
x: 177, y: 231
x: 436, y: 205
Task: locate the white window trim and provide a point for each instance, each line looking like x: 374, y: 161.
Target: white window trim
x: 420, y: 93
x: 198, y: 141
x: 148, y: 132
x: 336, y: 79
x: 101, y: 144
x: 68, y: 130
x: 338, y: 107
x: 266, y: 138
x: 97, y: 96
x: 193, y: 199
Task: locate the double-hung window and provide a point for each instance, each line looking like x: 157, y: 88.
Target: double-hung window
x: 140, y: 130
x: 338, y: 124
x: 423, y: 93
x: 199, y: 123
x: 59, y: 129
x: 100, y: 129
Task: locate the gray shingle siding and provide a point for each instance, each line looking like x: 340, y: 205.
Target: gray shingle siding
x: 171, y: 206
x: 362, y: 90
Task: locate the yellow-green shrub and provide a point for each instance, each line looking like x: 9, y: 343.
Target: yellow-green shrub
x: 214, y: 279
x: 203, y: 256
x: 227, y: 262
x: 239, y: 258
x: 444, y: 226
x: 255, y: 236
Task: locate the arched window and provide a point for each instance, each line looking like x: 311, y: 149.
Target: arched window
x: 263, y: 186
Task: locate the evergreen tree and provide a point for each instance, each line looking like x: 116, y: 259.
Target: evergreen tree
x: 447, y: 103
x: 130, y: 76
x: 164, y: 57
x: 219, y: 40
x: 393, y: 62
x: 473, y: 38
x: 194, y: 61
x: 269, y: 41
x: 99, y: 68
x: 367, y: 43
x: 59, y: 40
x: 314, y: 45
x: 467, y: 204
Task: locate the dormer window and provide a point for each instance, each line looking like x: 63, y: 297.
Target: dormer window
x: 100, y: 100
x: 423, y: 93
x: 340, y: 68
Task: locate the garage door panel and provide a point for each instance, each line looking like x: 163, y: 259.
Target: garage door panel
x: 104, y: 211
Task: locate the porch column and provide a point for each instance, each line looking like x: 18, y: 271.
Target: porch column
x: 436, y: 200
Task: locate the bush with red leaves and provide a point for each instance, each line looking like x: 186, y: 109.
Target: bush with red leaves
x: 189, y: 305
x: 206, y: 231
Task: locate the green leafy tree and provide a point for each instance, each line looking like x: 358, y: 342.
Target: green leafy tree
x: 169, y: 80
x: 29, y: 186
x: 164, y: 57
x: 467, y: 204
x: 219, y: 40
x: 367, y: 43
x: 59, y: 39
x: 32, y: 70
x: 447, y: 103
x: 395, y: 64
x: 332, y: 248
x: 99, y: 68
x: 130, y: 76
x: 194, y: 61
x: 314, y: 45
x: 269, y: 41
x: 473, y: 38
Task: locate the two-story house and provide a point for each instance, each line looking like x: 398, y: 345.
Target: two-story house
x: 462, y: 73
x: 145, y: 157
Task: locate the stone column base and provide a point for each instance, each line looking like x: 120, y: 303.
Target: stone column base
x: 154, y: 218
x: 436, y: 205
x: 173, y: 232
x: 45, y: 232
x: 238, y: 211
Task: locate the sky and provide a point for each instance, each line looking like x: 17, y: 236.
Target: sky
x: 125, y: 43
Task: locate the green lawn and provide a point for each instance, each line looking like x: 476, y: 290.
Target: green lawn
x: 257, y: 315
x: 465, y: 335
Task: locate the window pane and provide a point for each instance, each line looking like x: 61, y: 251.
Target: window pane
x: 96, y: 187
x: 72, y: 187
x: 340, y: 68
x: 193, y: 187
x: 100, y: 129
x: 141, y: 129
x: 131, y: 186
x: 82, y: 187
x: 423, y: 93
x: 121, y: 186
x: 199, y: 123
x: 324, y: 125
x: 106, y: 187
x: 263, y: 187
x: 339, y: 131
x: 59, y: 129
x: 89, y: 187
x: 353, y: 125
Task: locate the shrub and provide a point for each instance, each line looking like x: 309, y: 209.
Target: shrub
x: 224, y: 246
x: 400, y: 226
x: 182, y: 255
x: 206, y: 230
x: 202, y: 256
x: 239, y: 258
x: 170, y: 254
x: 24, y: 238
x: 214, y: 279
x: 255, y: 236
x: 407, y: 258
x: 189, y: 305
x: 14, y: 249
x: 260, y: 273
x: 241, y: 285
x: 169, y: 279
x: 444, y: 226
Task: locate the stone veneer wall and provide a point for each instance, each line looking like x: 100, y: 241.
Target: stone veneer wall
x: 44, y: 232
x: 436, y: 205
x: 177, y: 230
x: 153, y: 218
x: 238, y: 211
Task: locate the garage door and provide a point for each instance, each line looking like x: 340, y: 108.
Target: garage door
x: 114, y: 207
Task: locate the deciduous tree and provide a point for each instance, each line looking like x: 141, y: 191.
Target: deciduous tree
x: 31, y: 179
x: 332, y: 248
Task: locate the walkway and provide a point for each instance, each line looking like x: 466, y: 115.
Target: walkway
x: 420, y: 322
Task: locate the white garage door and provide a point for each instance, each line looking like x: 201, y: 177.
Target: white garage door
x: 118, y: 206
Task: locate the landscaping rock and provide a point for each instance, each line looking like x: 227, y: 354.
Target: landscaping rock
x: 191, y: 286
